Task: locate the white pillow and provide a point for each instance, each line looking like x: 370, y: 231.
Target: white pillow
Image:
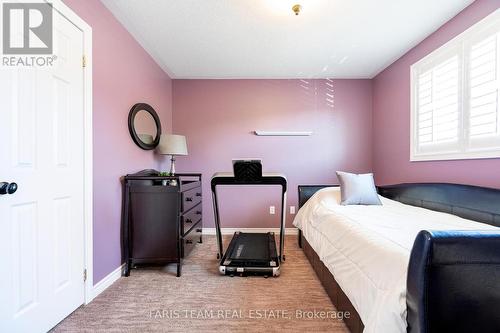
x: 357, y: 189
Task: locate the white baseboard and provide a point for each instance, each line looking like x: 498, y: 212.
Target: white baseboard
x: 230, y: 231
x: 107, y: 281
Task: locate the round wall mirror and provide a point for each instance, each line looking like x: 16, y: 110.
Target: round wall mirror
x: 144, y: 126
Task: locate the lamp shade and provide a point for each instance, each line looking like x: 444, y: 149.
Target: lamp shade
x: 171, y: 144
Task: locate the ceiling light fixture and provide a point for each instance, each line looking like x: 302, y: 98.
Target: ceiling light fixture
x: 296, y: 9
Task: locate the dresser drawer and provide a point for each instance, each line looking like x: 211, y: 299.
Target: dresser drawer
x: 189, y: 241
x: 190, y: 218
x: 187, y: 185
x: 191, y: 198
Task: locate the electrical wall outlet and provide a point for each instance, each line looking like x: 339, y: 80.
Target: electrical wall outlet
x: 272, y: 210
x: 292, y: 209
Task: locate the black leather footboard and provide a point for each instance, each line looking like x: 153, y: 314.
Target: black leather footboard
x: 453, y: 282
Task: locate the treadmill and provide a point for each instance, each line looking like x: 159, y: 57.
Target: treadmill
x: 250, y: 253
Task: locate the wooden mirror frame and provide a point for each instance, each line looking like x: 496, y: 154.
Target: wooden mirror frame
x: 131, y: 117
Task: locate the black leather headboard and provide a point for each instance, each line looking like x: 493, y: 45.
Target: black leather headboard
x: 471, y: 202
x: 307, y: 191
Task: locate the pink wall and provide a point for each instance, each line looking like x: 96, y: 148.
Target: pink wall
x: 218, y: 117
x: 123, y: 75
x: 391, y: 117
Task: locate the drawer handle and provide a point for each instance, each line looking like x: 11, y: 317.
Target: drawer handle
x: 198, y: 194
x: 189, y: 199
x: 188, y: 221
x: 189, y: 241
x: 198, y: 212
x: 199, y: 230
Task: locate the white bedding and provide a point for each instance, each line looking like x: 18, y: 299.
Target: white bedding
x: 367, y: 249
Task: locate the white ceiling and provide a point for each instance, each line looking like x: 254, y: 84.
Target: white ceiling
x: 263, y: 39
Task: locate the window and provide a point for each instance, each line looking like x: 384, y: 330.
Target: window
x: 455, y: 90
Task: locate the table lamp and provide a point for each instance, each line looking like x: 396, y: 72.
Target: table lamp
x: 173, y: 145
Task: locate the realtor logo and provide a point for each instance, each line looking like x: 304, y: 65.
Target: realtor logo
x: 27, y: 28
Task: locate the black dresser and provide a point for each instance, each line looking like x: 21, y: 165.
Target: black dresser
x: 162, y: 220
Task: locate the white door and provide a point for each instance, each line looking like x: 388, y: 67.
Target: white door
x: 42, y: 224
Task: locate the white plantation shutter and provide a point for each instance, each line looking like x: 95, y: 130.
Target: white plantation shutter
x: 438, y: 99
x: 484, y: 71
x: 455, y: 97
x: 437, y: 122
x: 425, y: 109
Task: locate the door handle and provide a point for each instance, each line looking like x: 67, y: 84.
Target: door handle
x: 6, y: 188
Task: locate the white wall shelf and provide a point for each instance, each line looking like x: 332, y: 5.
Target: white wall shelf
x: 283, y: 133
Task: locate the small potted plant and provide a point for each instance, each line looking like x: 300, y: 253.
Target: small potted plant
x: 164, y: 182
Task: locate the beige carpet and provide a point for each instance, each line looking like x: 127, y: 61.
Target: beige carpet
x: 203, y: 301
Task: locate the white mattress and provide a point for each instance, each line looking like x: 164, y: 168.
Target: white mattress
x: 367, y: 249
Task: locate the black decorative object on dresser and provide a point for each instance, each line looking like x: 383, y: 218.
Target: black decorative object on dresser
x: 161, y: 223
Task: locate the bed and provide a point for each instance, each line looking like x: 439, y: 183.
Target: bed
x: 427, y: 260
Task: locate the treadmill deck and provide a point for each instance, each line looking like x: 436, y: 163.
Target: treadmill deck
x: 251, y: 254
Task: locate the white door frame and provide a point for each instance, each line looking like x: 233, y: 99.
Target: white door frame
x: 64, y: 10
